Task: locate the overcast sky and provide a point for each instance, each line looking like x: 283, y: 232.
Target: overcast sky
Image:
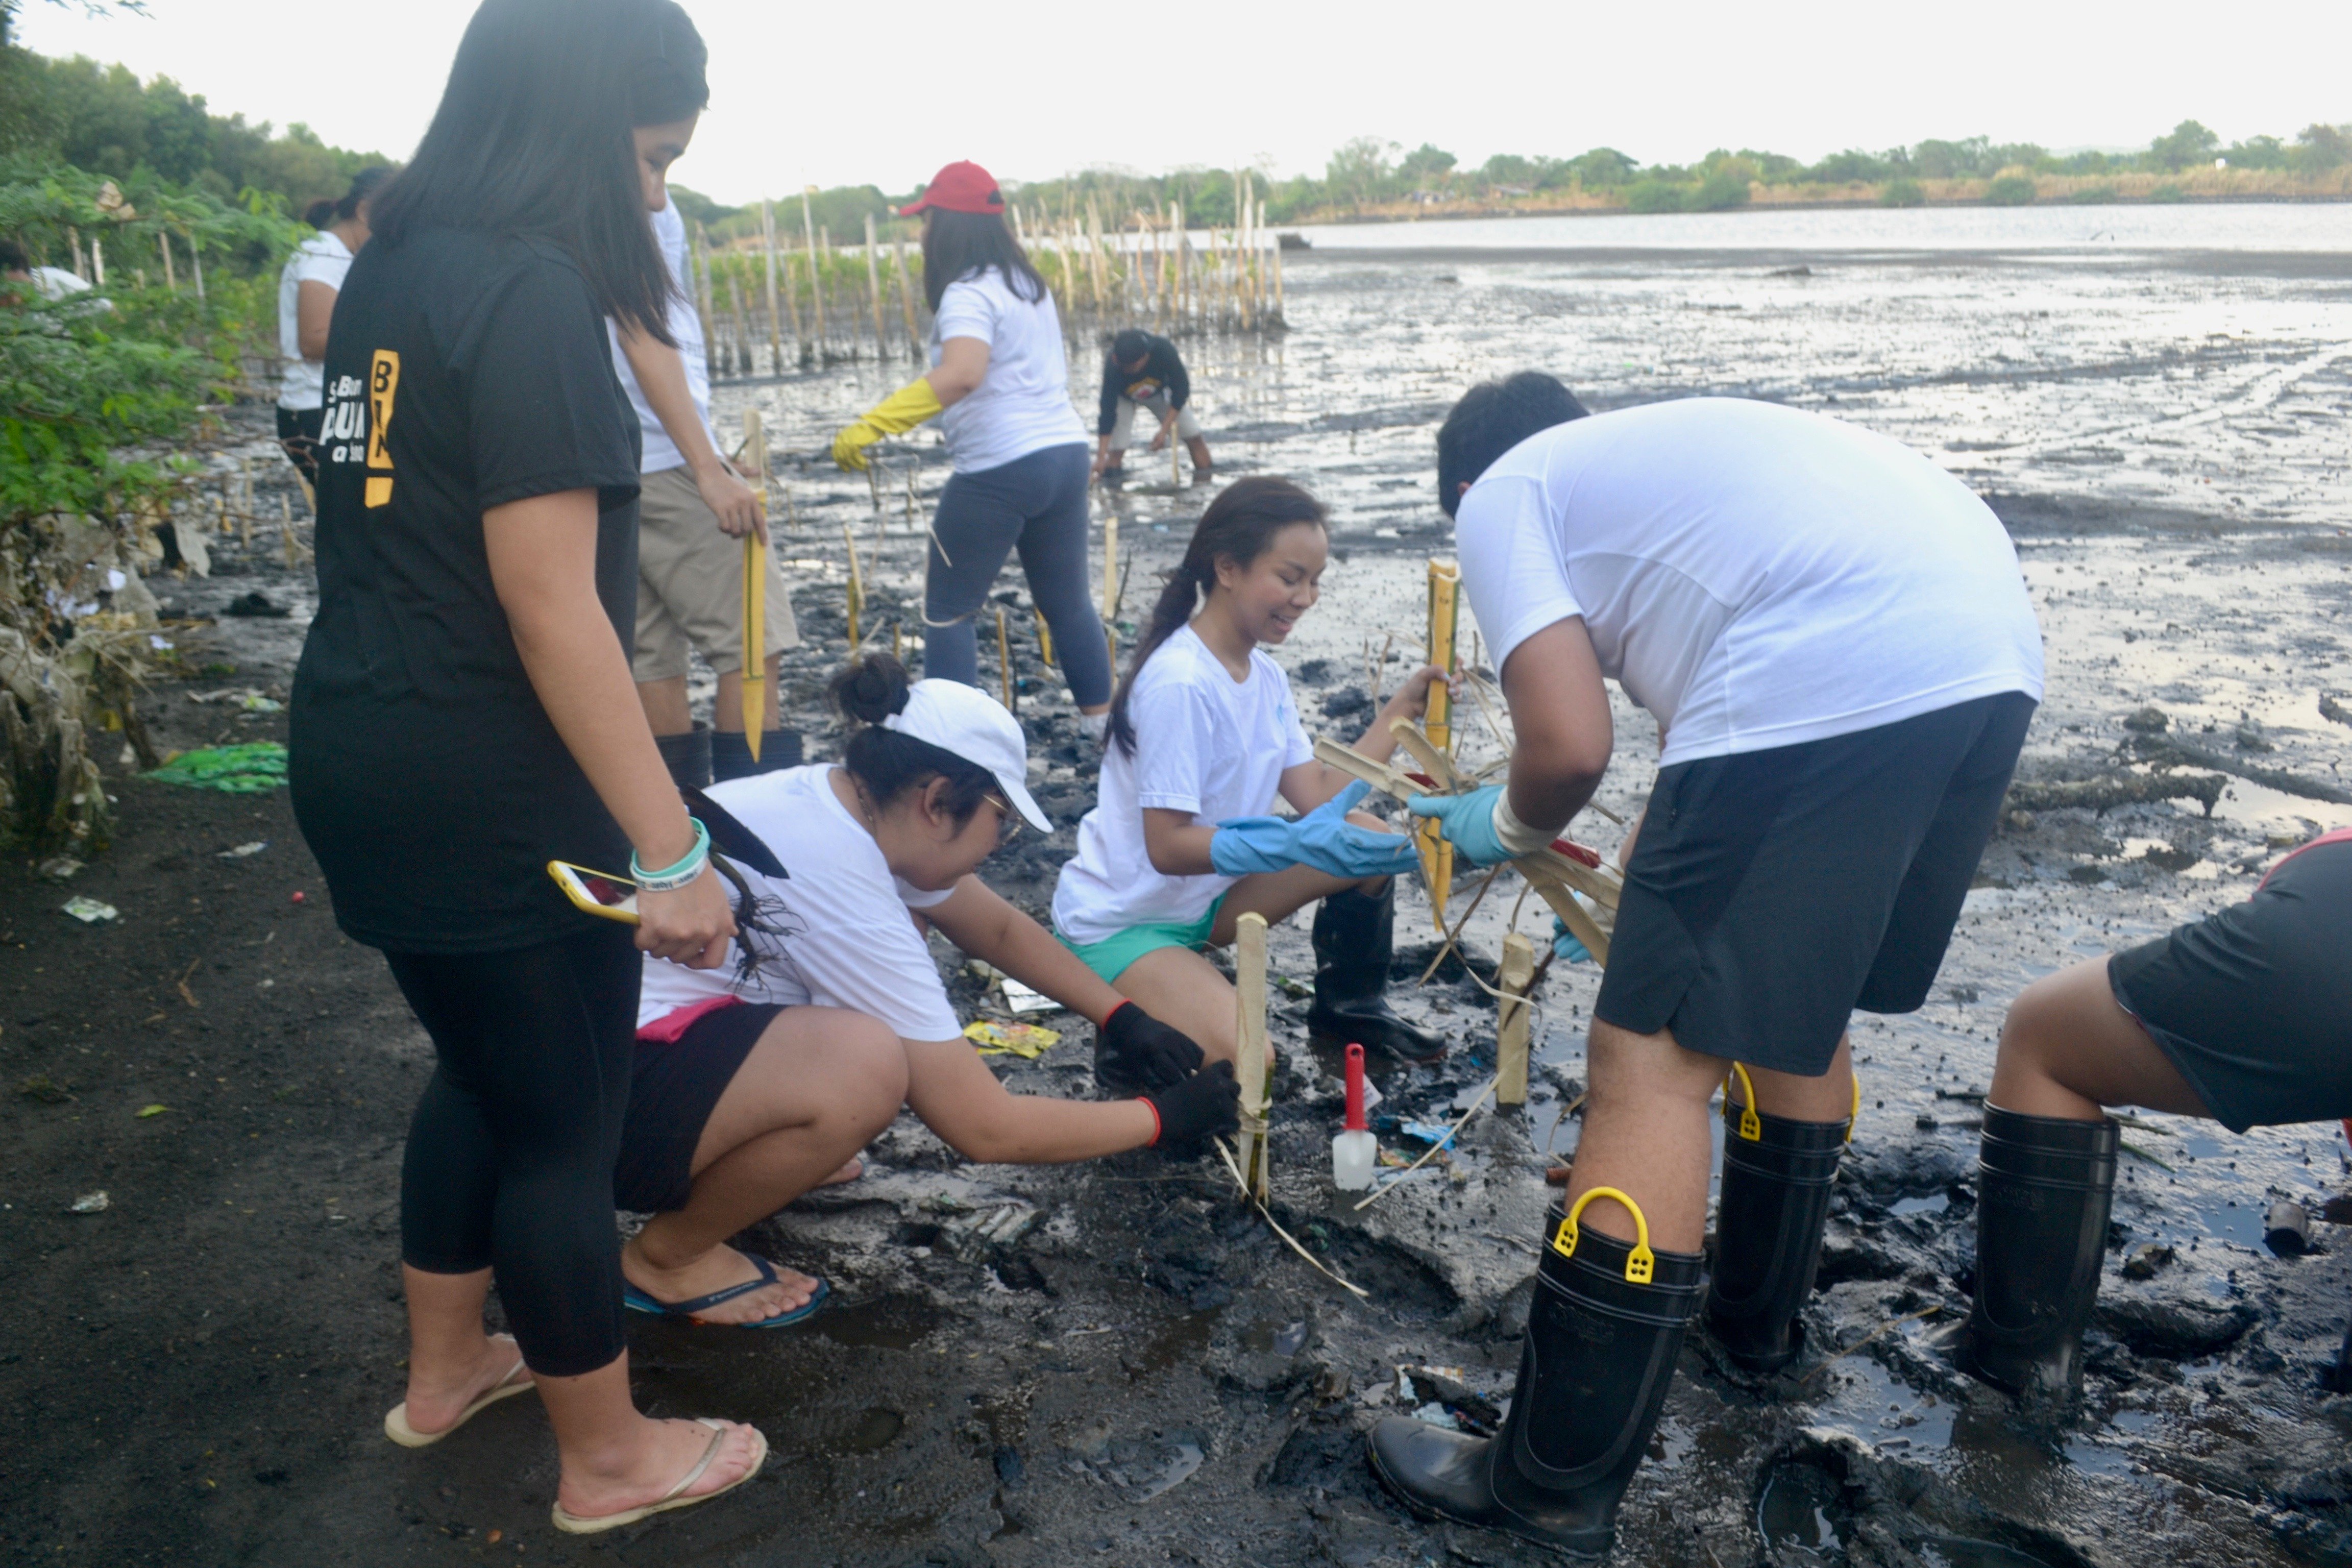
x: 886, y: 92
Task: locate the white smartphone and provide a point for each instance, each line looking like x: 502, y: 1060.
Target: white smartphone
x: 599, y: 892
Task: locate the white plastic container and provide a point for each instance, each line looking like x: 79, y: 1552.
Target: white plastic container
x: 1355, y: 1153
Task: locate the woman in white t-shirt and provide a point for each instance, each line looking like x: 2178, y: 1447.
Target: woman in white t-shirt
x: 1000, y: 386
x: 754, y: 1082
x: 307, y: 288
x: 1203, y: 738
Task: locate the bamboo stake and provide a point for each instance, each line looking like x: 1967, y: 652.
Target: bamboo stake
x: 855, y: 590
x: 1277, y: 279
x: 873, y: 286
x: 910, y: 501
x: 754, y: 677
x: 1044, y: 643
x: 1003, y: 658
x: 742, y: 326
x: 907, y: 302
x: 1444, y: 599
x: 164, y: 239
x: 825, y: 244
x: 816, y: 276
x: 702, y: 301
x: 1110, y: 568
x: 196, y: 264
x: 1249, y: 993
x: 776, y: 316
x: 1511, y: 1027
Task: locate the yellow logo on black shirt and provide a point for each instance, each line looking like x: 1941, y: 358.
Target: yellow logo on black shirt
x: 384, y: 384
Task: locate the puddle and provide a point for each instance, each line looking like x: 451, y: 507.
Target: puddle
x: 887, y: 1322
x: 1795, y: 1515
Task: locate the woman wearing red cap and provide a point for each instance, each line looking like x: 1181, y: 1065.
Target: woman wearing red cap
x: 1000, y: 385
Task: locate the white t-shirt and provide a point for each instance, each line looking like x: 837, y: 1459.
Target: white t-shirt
x: 1205, y: 743
x: 1023, y: 405
x: 685, y: 325
x: 850, y: 941
x: 1754, y: 575
x: 321, y: 258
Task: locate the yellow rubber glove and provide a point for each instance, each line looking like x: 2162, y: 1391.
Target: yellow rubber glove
x: 902, y: 410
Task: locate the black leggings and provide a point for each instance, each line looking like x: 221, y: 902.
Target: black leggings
x: 1037, y: 503
x: 511, y: 1154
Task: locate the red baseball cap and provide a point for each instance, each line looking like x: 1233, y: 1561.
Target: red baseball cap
x: 960, y: 187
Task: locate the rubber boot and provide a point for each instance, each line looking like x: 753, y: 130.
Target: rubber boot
x: 731, y: 753
x: 1768, y: 1231
x: 1593, y: 1374
x: 1355, y: 934
x: 687, y: 757
x: 2043, y: 1187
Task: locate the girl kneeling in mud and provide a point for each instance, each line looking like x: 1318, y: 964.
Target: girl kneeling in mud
x: 1203, y: 738
x: 755, y: 1082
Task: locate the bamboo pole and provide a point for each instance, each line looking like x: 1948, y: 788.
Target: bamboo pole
x: 742, y: 326
x: 1110, y: 567
x: 907, y: 302
x: 816, y: 276
x: 1444, y: 602
x: 753, y: 678
x: 873, y: 286
x: 1187, y: 303
x: 825, y: 244
x: 1003, y: 658
x: 775, y: 315
x: 1044, y: 643
x: 1512, y: 1020
x: 1278, y: 314
x: 1249, y: 994
x: 163, y: 240
x: 855, y: 590
x: 793, y: 309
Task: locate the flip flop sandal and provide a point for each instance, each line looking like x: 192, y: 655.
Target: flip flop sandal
x: 638, y: 1301
x: 397, y: 1427
x: 572, y: 1524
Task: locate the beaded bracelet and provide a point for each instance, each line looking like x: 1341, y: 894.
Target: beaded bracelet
x: 679, y: 875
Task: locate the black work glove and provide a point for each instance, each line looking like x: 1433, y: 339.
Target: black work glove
x: 1206, y: 1104
x: 1134, y: 1051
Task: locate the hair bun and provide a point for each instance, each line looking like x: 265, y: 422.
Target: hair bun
x: 870, y: 688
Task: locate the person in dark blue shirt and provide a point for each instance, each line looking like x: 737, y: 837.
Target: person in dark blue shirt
x: 1144, y: 371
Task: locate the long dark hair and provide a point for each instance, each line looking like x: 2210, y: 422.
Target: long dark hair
x: 957, y: 246
x: 1238, y: 526
x: 532, y: 139
x: 363, y: 186
x: 889, y: 763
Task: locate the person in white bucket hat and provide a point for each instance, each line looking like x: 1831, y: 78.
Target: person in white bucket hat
x: 755, y: 1081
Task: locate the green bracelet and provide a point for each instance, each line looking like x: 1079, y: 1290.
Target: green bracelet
x: 679, y: 875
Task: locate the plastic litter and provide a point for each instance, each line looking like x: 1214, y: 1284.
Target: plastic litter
x: 1028, y: 1041
x: 253, y: 768
x: 90, y: 910
x: 59, y: 867
x: 242, y: 850
x: 147, y: 1110
x: 1021, y: 999
x: 89, y: 1202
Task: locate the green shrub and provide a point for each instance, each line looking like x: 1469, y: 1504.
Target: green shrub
x: 2010, y: 191
x: 1902, y: 194
x: 2167, y: 192
x: 2094, y: 193
x: 1719, y: 192
x: 1655, y: 197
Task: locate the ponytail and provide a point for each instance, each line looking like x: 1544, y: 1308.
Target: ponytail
x: 1238, y: 526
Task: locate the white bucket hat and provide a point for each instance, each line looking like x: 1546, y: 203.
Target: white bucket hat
x: 970, y: 723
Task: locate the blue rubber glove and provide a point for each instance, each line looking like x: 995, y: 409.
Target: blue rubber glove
x: 1467, y: 822
x: 1566, y: 948
x: 1323, y: 838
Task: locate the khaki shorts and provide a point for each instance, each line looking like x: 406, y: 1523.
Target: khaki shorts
x: 1122, y: 434
x: 691, y: 584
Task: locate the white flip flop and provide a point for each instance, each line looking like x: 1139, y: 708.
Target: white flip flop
x: 396, y: 1421
x: 574, y: 1524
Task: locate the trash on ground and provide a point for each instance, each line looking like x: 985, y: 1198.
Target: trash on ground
x: 1025, y: 1040
x: 59, y: 867
x: 1023, y: 999
x: 89, y: 1202
x: 252, y: 768
x: 88, y: 910
x: 242, y: 850
x: 147, y: 1110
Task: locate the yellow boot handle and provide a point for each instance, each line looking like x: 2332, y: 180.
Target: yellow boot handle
x: 1752, y: 1127
x: 1640, y: 1264
x: 1856, y: 1115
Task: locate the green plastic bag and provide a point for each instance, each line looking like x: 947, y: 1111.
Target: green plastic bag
x: 253, y: 768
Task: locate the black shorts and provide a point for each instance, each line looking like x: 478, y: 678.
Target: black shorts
x: 2254, y: 1004
x: 1774, y: 892
x: 673, y: 1089
x: 298, y: 432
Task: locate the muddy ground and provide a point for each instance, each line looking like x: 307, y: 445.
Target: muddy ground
x: 1114, y: 1363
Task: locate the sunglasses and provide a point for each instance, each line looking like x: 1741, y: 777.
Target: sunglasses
x: 1008, y: 821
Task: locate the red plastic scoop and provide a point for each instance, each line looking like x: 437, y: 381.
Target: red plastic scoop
x: 1356, y: 1089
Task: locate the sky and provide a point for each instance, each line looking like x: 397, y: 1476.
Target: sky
x: 885, y: 93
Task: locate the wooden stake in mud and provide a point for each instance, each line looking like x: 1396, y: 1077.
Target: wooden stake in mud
x: 816, y: 275
x: 1517, y: 971
x: 742, y: 327
x: 910, y: 501
x: 1110, y: 567
x: 906, y: 301
x: 1045, y: 642
x: 1444, y: 602
x: 1003, y: 658
x: 775, y: 315
x: 874, y: 286
x: 854, y: 592
x: 1249, y: 993
x: 754, y: 679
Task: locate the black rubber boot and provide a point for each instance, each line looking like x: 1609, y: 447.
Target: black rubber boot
x: 1355, y: 934
x: 687, y: 757
x: 2043, y: 1187
x: 1593, y: 1374
x: 1768, y: 1231
x: 731, y: 753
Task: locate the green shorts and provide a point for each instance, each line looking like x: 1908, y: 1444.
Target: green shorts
x: 1110, y: 956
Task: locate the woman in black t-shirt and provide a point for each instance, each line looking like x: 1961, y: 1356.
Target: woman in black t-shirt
x: 464, y: 714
